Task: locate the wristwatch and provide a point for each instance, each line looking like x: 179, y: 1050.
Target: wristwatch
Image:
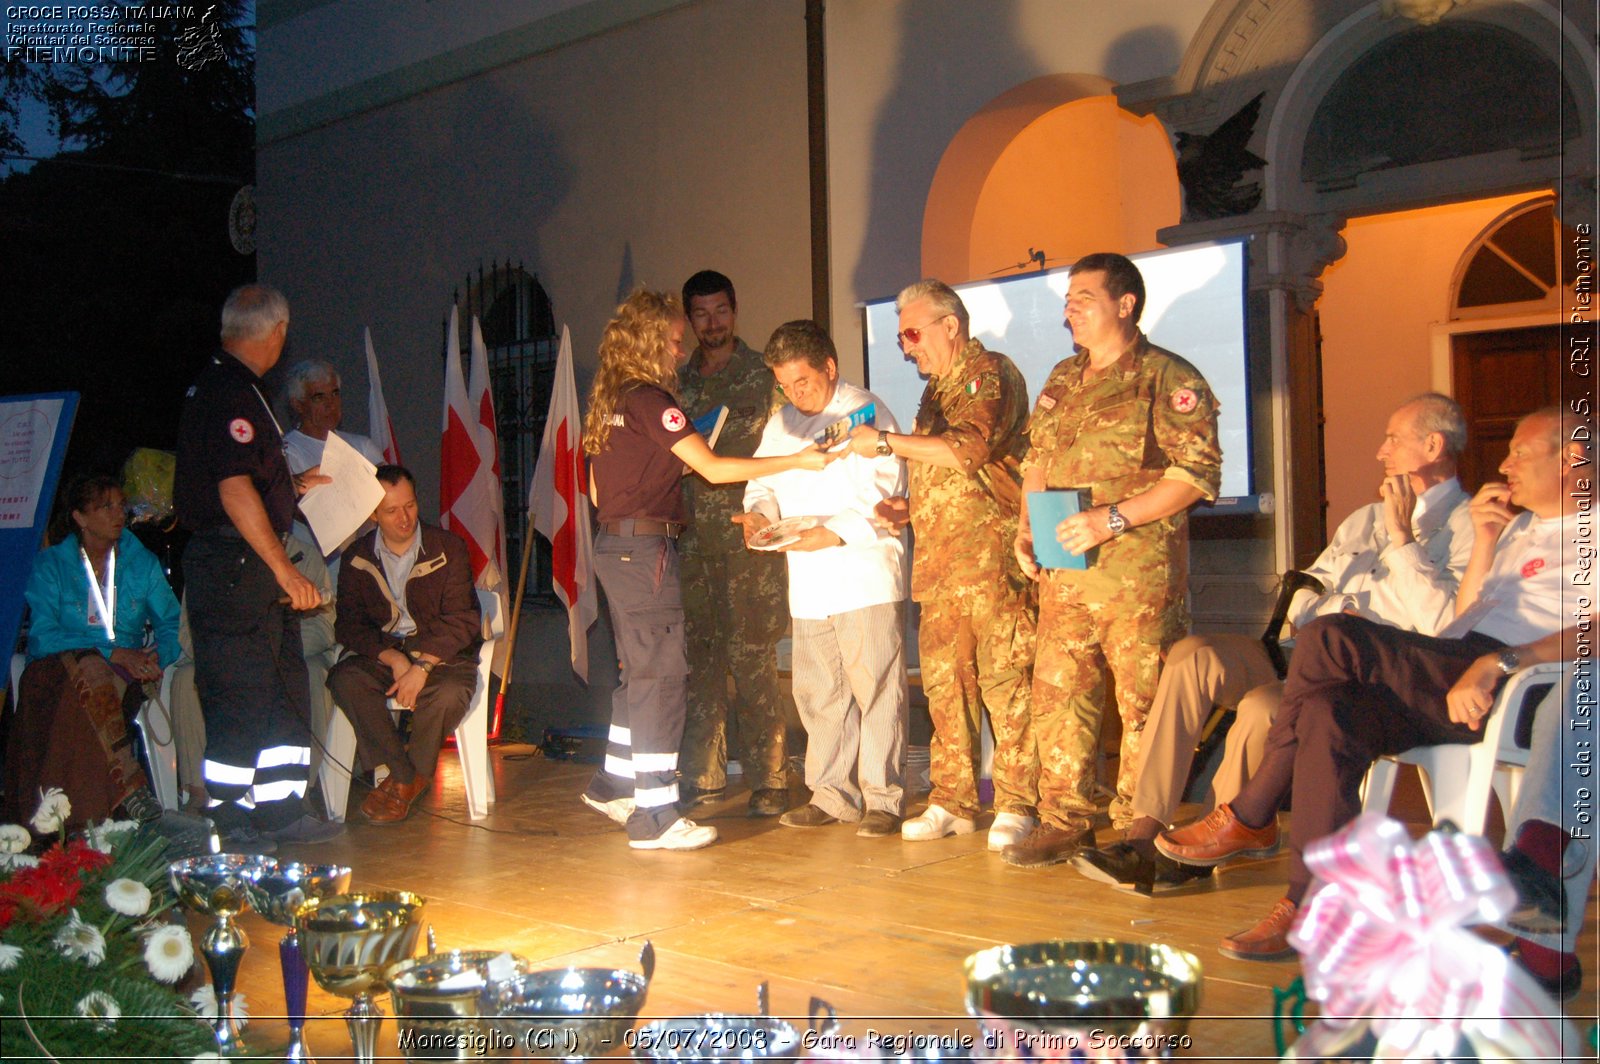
x: 1115, y: 522
x: 424, y: 665
x: 883, y: 442
x: 1508, y: 661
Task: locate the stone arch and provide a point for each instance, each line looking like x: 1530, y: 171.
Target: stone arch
x: 985, y: 173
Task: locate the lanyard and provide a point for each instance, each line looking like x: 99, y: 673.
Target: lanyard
x: 105, y: 602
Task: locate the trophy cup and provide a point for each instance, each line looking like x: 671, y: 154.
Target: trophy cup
x: 714, y: 1037
x: 215, y: 885
x: 279, y: 895
x: 1094, y: 1000
x: 572, y: 1013
x: 444, y: 1004
x: 350, y: 943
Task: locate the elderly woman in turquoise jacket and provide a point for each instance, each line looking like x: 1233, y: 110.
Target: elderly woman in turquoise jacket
x: 95, y: 599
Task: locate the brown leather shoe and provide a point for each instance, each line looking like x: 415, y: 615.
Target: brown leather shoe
x: 1218, y: 837
x: 1268, y: 940
x: 390, y: 802
x: 1046, y: 845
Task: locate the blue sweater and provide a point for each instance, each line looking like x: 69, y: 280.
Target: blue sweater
x: 58, y: 602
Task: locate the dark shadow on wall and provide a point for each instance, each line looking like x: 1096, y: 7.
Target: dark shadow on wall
x: 1144, y: 53
x: 915, y: 112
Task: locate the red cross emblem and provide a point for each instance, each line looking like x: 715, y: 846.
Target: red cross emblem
x: 1533, y: 568
x: 1184, y: 400
x: 672, y: 419
x: 241, y: 430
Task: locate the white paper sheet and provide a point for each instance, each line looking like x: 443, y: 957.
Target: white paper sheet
x: 336, y: 510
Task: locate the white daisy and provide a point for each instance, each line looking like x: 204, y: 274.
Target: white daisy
x: 52, y: 812
x: 14, y: 861
x: 100, y: 1007
x: 14, y: 838
x: 169, y: 953
x: 9, y: 956
x: 204, y: 1003
x: 105, y: 835
x: 128, y: 897
x: 81, y: 941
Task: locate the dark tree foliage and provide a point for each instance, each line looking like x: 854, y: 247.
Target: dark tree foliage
x: 117, y: 250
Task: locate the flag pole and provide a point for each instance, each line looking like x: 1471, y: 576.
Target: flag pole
x: 516, y: 615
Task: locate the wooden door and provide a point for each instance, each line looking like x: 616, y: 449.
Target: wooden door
x: 1500, y: 376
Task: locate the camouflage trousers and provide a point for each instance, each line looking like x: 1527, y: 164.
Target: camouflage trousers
x: 977, y: 654
x: 1088, y: 622
x: 735, y: 610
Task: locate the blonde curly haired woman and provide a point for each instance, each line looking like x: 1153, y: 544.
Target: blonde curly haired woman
x: 639, y: 441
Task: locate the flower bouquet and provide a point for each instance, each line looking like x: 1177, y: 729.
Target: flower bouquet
x: 88, y: 968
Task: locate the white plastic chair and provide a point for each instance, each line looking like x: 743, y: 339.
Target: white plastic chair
x: 472, y: 734
x: 1457, y: 778
x: 155, y: 725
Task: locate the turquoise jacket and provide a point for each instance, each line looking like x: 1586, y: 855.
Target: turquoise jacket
x: 58, y: 602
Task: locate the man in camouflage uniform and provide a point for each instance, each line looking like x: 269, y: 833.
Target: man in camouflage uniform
x: 735, y: 601
x: 1135, y: 428
x: 976, y: 633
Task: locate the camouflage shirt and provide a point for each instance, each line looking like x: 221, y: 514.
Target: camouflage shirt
x: 745, y: 386
x: 965, y: 519
x: 1150, y: 416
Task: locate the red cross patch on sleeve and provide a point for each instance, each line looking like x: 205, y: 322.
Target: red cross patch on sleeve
x: 241, y: 429
x: 672, y: 419
x: 1184, y: 400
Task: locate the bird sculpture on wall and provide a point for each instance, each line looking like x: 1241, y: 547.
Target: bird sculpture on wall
x: 1210, y: 166
x: 1036, y: 260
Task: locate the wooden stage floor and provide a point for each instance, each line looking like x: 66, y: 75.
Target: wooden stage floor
x: 877, y: 927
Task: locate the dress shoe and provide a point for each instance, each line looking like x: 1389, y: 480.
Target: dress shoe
x: 1046, y: 845
x: 935, y: 822
x: 1541, y: 897
x: 1123, y: 866
x: 1009, y: 828
x: 768, y: 801
x: 307, y: 830
x: 807, y: 816
x: 618, y: 809
x: 1268, y: 940
x: 684, y: 834
x: 690, y: 796
x: 1218, y: 837
x: 879, y: 824
x: 391, y: 802
x: 246, y: 840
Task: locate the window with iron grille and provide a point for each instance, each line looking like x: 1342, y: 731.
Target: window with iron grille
x: 518, y: 326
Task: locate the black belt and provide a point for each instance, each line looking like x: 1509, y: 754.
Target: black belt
x: 637, y: 526
x: 230, y: 532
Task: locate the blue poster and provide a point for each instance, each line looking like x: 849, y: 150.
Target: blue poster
x: 34, y: 430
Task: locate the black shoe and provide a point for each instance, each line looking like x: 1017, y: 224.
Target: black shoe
x: 768, y: 801
x: 1122, y: 866
x: 307, y: 830
x: 246, y: 840
x: 878, y: 824
x: 142, y: 806
x: 1541, y: 897
x: 690, y: 796
x: 807, y: 816
x: 186, y: 835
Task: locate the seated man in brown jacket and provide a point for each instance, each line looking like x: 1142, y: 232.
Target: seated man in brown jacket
x: 409, y: 624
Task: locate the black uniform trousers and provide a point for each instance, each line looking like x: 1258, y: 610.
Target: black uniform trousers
x: 1356, y: 691
x: 250, y: 674
x: 358, y: 684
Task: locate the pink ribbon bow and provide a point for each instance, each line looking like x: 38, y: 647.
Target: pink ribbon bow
x: 1384, y: 938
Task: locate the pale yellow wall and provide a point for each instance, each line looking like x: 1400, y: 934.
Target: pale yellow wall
x: 1378, y: 307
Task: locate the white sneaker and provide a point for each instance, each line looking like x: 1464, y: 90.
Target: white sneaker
x: 935, y: 822
x: 684, y: 834
x: 1009, y: 828
x: 618, y: 809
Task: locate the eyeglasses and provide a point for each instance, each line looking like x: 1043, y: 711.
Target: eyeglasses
x: 914, y: 334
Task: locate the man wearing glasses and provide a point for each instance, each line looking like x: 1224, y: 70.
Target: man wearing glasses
x: 1134, y: 429
x: 976, y: 634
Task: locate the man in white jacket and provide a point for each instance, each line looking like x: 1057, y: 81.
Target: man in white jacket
x: 1397, y: 561
x: 847, y: 590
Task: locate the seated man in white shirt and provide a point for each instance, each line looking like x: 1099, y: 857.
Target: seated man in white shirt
x: 846, y: 592
x: 1397, y: 561
x: 312, y: 388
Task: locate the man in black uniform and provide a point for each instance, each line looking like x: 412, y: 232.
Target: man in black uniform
x: 235, y: 493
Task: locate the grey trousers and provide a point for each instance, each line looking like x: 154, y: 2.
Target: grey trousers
x: 850, y: 689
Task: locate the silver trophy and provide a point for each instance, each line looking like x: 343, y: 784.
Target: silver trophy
x: 573, y: 1013
x: 215, y: 886
x: 714, y: 1037
x: 1082, y: 1000
x: 279, y: 895
x: 351, y: 941
x: 444, y: 1004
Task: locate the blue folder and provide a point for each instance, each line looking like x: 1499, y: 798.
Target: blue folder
x: 1046, y: 510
